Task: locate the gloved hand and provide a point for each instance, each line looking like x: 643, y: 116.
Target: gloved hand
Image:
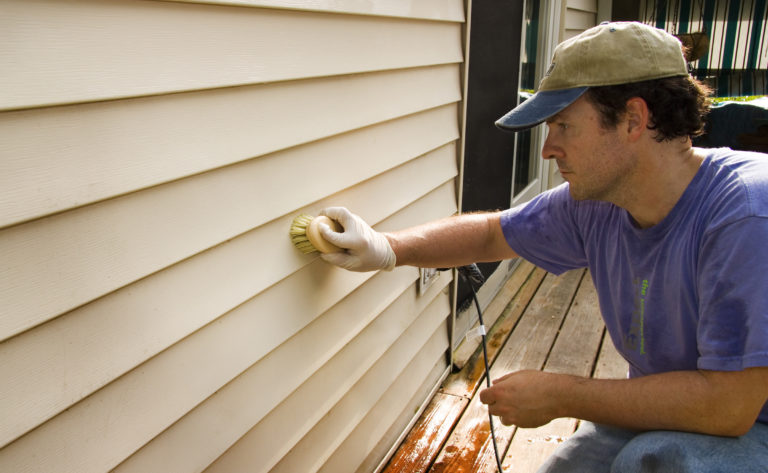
x: 365, y: 248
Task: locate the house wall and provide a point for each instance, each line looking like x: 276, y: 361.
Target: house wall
x: 578, y: 15
x: 154, y: 315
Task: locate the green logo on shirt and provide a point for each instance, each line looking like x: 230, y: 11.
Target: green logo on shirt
x: 635, y: 338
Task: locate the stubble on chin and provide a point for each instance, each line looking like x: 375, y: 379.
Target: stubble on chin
x: 575, y: 194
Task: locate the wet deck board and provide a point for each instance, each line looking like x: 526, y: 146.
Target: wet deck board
x: 574, y: 352
x: 426, y: 437
x: 551, y: 323
x: 508, y: 305
x: 466, y: 381
x: 422, y: 445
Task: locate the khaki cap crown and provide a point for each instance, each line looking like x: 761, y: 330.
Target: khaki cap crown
x: 614, y: 53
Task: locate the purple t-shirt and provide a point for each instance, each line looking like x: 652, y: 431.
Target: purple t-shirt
x: 688, y: 293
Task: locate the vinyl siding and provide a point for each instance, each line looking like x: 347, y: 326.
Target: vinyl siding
x: 580, y: 15
x: 154, y: 315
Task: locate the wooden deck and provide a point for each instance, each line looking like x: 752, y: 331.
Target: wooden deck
x: 550, y: 323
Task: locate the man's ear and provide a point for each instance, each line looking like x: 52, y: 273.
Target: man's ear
x: 637, y: 118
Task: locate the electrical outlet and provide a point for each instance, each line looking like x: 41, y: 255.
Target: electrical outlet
x: 427, y: 276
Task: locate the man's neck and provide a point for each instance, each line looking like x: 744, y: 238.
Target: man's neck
x: 664, y: 172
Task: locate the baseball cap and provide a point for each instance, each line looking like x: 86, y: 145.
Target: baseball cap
x: 607, y: 54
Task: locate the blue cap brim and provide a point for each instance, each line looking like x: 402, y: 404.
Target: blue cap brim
x: 542, y: 105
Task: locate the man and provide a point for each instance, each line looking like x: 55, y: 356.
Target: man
x: 676, y: 240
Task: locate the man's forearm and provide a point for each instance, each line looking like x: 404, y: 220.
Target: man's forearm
x: 453, y: 241
x: 692, y: 401
x: 711, y: 402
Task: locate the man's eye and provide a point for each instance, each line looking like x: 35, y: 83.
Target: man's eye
x: 563, y: 126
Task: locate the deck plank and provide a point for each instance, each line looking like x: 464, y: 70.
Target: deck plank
x: 552, y: 323
x: 574, y: 352
x: 421, y: 446
x: 531, y: 447
x: 575, y: 349
x: 469, y: 449
x: 423, y: 443
x: 610, y: 364
x: 466, y: 381
x: 494, y: 312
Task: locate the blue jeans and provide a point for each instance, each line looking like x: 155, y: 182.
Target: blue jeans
x: 596, y: 448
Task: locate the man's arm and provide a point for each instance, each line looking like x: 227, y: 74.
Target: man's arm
x: 453, y: 241
x: 724, y: 403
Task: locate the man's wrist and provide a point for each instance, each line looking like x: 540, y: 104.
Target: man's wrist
x: 566, y: 394
x: 393, y: 244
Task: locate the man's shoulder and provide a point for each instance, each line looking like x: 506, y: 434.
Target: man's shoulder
x: 744, y: 165
x: 737, y: 180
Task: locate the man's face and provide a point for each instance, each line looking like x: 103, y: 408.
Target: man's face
x: 592, y: 159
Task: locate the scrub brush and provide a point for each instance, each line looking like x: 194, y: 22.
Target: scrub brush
x: 305, y: 234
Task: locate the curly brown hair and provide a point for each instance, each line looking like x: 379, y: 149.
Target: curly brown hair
x: 678, y: 105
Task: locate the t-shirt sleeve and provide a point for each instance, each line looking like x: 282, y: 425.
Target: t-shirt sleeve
x: 733, y: 296
x: 544, y: 231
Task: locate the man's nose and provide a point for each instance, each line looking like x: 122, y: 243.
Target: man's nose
x: 549, y: 150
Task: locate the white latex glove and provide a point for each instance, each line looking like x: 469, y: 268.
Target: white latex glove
x: 365, y: 249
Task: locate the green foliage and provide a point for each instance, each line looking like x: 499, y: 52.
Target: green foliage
x: 745, y: 98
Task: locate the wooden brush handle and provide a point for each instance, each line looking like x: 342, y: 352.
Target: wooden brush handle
x: 317, y: 240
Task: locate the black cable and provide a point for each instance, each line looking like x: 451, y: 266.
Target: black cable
x: 471, y: 273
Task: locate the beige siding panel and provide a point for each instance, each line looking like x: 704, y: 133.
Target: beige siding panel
x: 154, y: 315
x: 578, y: 21
x: 188, y: 445
x: 583, y: 5
x: 55, y: 159
x: 447, y: 10
x: 102, y: 430
x: 317, y: 401
x: 55, y: 264
x: 106, y: 427
x: 367, y: 411
x: 58, y: 52
x: 409, y: 413
x: 231, y: 411
x: 362, y: 439
x: 59, y: 363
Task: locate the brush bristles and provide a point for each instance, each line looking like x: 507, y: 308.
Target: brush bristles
x: 299, y: 233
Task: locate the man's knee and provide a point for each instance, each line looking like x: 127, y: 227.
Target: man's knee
x: 652, y: 452
x: 590, y: 450
x: 680, y: 452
